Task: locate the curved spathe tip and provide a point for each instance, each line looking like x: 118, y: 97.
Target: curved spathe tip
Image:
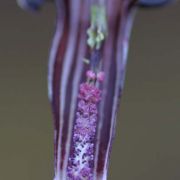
x: 154, y: 3
x: 31, y: 5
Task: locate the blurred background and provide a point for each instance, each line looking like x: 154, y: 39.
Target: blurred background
x: 147, y: 143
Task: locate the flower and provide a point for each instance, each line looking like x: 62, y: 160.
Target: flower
x: 85, y: 116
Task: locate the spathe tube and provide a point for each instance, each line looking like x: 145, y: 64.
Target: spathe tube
x: 67, y: 71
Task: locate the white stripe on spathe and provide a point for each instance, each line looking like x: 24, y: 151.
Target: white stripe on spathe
x: 104, y: 93
x: 121, y: 58
x: 68, y: 61
x: 52, y: 56
x: 76, y: 81
x: 54, y: 48
x: 52, y: 59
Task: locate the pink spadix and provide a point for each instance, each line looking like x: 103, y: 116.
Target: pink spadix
x: 81, y: 161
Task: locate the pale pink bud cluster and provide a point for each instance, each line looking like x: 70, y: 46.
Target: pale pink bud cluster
x: 100, y: 76
x: 81, y: 161
x: 92, y: 76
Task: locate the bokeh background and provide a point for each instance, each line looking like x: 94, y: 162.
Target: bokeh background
x: 147, y: 143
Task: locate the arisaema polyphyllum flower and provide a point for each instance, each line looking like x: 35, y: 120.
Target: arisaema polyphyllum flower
x: 86, y: 75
